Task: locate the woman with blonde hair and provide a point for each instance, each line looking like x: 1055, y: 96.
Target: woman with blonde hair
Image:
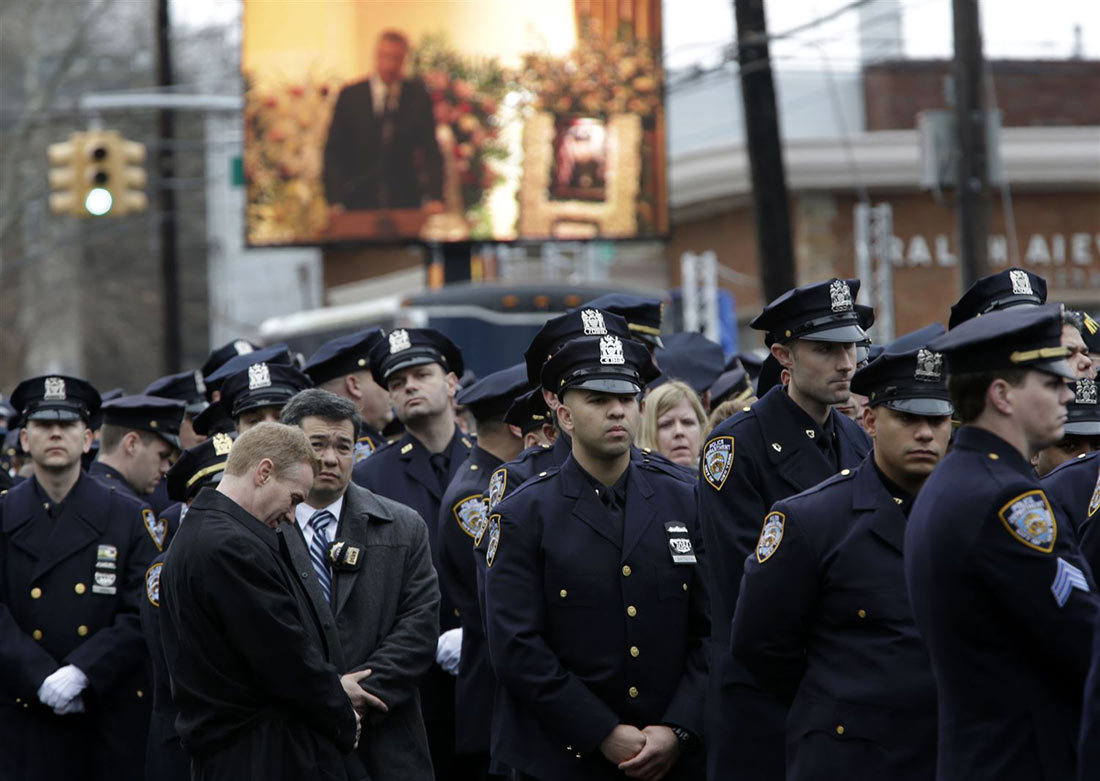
x: 674, y: 423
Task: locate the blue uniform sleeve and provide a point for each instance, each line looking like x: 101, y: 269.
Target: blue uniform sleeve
x: 778, y: 593
x: 524, y: 663
x: 1033, y: 568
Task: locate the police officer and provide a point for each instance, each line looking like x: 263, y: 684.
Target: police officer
x: 642, y: 315
x: 823, y: 619
x: 73, y: 554
x: 788, y: 441
x: 530, y: 414
x: 220, y: 355
x: 197, y: 467
x: 1075, y: 485
x: 420, y: 368
x: 259, y: 392
x: 342, y: 366
x: 1000, y: 592
x: 276, y: 354
x: 139, y: 439
x: 462, y: 517
x: 693, y: 358
x: 189, y: 388
x: 594, y: 607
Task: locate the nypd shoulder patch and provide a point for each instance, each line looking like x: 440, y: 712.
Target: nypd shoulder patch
x: 364, y: 448
x: 1030, y: 520
x: 157, y: 528
x: 152, y: 583
x: 1094, y: 502
x: 770, y: 536
x: 470, y: 514
x: 718, y: 461
x: 498, y: 483
x: 494, y: 540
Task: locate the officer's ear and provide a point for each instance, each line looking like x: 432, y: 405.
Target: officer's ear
x: 565, y: 417
x: 551, y: 399
x: 869, y: 417
x: 89, y: 438
x: 784, y: 353
x: 129, y: 442
x: 452, y: 384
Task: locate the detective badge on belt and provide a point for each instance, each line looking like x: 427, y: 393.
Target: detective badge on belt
x: 106, y: 561
x: 679, y: 543
x: 344, y: 556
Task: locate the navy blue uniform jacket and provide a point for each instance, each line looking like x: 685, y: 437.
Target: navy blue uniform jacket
x: 588, y: 628
x: 824, y: 618
x: 462, y: 519
x: 70, y: 590
x: 986, y: 558
x: 1075, y: 485
x: 773, y: 453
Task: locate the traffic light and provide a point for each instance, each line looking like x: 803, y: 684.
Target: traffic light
x: 97, y: 173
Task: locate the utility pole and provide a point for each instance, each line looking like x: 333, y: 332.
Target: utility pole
x: 972, y: 179
x: 166, y: 126
x: 769, y: 178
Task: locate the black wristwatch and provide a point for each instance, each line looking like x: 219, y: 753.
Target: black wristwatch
x: 686, y: 739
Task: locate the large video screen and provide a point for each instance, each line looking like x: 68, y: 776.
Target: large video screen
x: 453, y: 120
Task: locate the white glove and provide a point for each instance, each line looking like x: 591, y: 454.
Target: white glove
x: 62, y: 686
x: 75, y: 705
x: 448, y: 651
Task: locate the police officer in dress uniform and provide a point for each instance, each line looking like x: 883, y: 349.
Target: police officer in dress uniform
x: 784, y: 443
x: 594, y: 606
x: 342, y: 366
x: 1075, y: 485
x: 999, y: 589
x: 1004, y: 290
x: 220, y: 355
x: 462, y: 517
x: 73, y: 554
x: 420, y: 369
x: 138, y: 440
x: 642, y: 315
x: 189, y: 388
x: 259, y: 392
x: 198, y: 467
x: 823, y: 619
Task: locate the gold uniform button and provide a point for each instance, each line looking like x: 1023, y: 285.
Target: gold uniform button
x: 80, y: 588
x: 37, y: 634
x: 577, y: 755
x: 82, y: 630
x: 634, y: 651
x: 994, y: 456
x: 839, y: 729
x: 846, y: 472
x: 564, y: 593
x: 18, y: 699
x: 457, y: 614
x: 633, y: 692
x: 862, y: 613
x: 140, y: 694
x: 632, y: 611
x: 685, y: 585
x: 626, y: 570
x: 36, y: 592
x: 568, y: 748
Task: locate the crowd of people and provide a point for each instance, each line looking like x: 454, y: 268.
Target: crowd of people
x: 623, y: 556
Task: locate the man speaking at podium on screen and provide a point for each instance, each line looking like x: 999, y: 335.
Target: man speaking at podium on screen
x: 381, y: 151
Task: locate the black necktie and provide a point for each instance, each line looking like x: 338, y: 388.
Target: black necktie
x: 440, y: 462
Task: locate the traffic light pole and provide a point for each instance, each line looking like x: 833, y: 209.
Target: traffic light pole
x: 173, y: 343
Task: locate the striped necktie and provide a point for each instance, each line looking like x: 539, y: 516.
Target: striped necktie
x: 318, y: 550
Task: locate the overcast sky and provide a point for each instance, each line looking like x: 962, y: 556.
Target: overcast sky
x: 696, y: 30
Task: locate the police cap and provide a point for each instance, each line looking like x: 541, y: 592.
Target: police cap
x: 405, y: 347
x: 146, y: 413
x: 823, y: 312
x: 690, y: 357
x: 907, y: 376
x: 608, y: 364
x: 771, y: 374
x: 219, y: 356
x: 213, y: 420
x: 1005, y: 289
x: 1083, y: 413
x: 732, y: 384
x: 56, y: 397
x: 529, y: 411
x: 197, y: 467
x: 261, y: 385
x: 343, y: 355
x: 1027, y: 337
x: 188, y: 387
x: 493, y: 394
x: 642, y: 315
x: 276, y: 354
x: 584, y: 321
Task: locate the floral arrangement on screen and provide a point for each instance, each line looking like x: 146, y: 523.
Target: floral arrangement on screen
x: 466, y: 93
x: 285, y: 128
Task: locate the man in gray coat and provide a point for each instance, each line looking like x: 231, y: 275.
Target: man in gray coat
x: 374, y: 570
